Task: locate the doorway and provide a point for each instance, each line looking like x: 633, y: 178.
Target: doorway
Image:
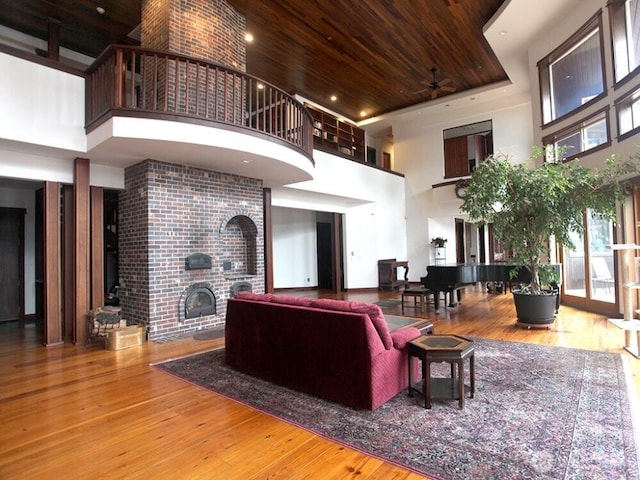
x: 329, y: 251
x: 460, y: 241
x: 589, y: 270
x: 325, y: 255
x: 12, y: 261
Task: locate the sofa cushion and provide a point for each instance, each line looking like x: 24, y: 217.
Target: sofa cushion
x: 257, y: 297
x: 377, y: 318
x: 291, y: 300
x: 402, y: 336
x: 371, y: 309
x: 331, y: 304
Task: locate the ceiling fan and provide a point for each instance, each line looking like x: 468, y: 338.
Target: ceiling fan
x: 435, y: 86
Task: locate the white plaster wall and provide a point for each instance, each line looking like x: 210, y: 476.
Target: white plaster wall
x: 419, y: 154
x: 294, y: 248
x: 373, y: 206
x: 41, y: 106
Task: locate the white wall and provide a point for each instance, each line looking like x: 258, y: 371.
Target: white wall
x: 419, y: 154
x: 41, y: 106
x: 41, y: 121
x: 294, y: 248
x: 373, y: 204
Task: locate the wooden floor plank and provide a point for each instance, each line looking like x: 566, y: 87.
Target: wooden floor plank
x: 83, y: 411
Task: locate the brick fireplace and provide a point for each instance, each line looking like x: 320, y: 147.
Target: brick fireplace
x: 172, y: 214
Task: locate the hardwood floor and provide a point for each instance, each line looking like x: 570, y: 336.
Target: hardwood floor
x: 85, y: 412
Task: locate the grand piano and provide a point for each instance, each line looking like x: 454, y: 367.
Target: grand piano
x: 451, y: 278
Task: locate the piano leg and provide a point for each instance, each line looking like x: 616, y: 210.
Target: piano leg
x: 452, y: 302
x: 436, y: 300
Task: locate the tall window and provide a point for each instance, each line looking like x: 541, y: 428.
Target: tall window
x: 573, y: 75
x: 628, y: 112
x: 581, y: 137
x: 625, y: 30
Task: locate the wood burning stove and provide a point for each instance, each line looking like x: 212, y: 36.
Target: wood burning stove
x: 240, y: 287
x: 199, y: 302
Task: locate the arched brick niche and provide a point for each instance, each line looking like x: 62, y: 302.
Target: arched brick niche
x: 238, y: 235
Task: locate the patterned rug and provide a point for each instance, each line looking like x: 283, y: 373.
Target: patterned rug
x: 539, y: 412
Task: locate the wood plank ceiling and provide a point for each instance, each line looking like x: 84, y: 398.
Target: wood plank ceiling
x: 374, y: 56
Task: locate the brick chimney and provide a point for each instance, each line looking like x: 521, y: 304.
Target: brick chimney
x: 207, y: 29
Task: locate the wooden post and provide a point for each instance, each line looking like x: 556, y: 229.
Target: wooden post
x: 52, y: 265
x: 82, y: 265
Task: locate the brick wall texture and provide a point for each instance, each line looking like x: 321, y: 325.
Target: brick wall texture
x: 168, y: 212
x: 208, y: 29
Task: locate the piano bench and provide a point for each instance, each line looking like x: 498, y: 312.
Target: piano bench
x: 420, y: 298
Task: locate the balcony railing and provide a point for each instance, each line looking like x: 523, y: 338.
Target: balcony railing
x: 132, y: 81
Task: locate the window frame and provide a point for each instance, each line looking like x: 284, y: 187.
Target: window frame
x: 454, y: 166
x: 578, y: 127
x: 544, y: 68
x: 623, y: 102
x: 619, y: 43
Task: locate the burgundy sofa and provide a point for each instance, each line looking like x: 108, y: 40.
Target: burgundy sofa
x: 339, y: 350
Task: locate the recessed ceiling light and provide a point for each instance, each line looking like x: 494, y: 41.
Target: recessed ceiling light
x: 333, y: 98
x: 100, y: 10
x: 248, y: 37
x: 363, y: 113
x: 503, y: 33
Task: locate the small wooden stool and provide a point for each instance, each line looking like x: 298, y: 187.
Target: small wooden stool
x: 420, y: 298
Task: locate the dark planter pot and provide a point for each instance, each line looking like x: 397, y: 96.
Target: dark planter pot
x: 535, y: 311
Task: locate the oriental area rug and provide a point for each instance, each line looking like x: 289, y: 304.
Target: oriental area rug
x: 539, y: 412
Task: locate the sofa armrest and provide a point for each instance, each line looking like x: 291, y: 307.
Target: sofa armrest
x: 403, y: 335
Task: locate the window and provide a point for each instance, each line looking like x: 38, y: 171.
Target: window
x: 573, y: 75
x: 582, y: 137
x: 628, y: 113
x: 625, y: 30
x: 465, y: 147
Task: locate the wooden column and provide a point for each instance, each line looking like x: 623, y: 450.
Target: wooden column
x: 81, y: 257
x: 268, y: 240
x: 52, y: 265
x: 97, y: 247
x: 68, y: 248
x: 337, y: 250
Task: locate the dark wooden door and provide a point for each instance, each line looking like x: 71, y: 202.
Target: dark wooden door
x: 460, y: 241
x: 325, y: 255
x: 11, y: 263
x: 386, y: 160
x: 456, y: 157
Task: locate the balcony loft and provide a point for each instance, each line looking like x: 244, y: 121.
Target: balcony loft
x: 133, y: 104
x: 142, y: 103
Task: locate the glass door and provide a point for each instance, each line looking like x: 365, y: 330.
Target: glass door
x: 589, y: 269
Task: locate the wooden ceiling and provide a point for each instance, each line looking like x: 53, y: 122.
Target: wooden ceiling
x: 372, y: 55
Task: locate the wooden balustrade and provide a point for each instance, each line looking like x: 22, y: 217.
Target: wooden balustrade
x: 132, y: 81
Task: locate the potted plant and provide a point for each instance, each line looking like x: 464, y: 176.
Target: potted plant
x: 438, y: 242
x: 527, y: 206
